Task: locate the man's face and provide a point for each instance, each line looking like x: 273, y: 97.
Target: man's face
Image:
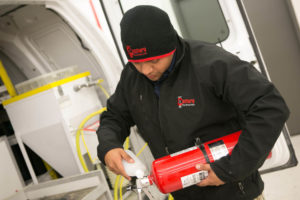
x: 154, y: 69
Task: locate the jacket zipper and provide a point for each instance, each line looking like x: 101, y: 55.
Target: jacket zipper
x: 167, y: 150
x: 162, y: 132
x: 241, y: 187
x: 160, y: 123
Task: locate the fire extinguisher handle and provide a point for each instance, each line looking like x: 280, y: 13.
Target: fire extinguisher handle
x: 198, y: 141
x: 200, y: 145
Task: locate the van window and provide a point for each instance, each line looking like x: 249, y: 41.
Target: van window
x: 201, y: 20
x: 197, y: 19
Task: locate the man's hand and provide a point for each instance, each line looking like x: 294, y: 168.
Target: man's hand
x: 212, y: 179
x: 113, y: 160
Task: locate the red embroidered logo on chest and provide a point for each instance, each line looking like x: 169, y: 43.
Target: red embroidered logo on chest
x: 136, y: 52
x: 181, y: 102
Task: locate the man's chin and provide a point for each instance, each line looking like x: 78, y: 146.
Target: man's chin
x: 153, y: 78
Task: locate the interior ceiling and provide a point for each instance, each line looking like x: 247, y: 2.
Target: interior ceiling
x: 4, y: 9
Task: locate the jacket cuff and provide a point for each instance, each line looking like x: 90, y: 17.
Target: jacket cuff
x: 101, y: 152
x: 226, y: 175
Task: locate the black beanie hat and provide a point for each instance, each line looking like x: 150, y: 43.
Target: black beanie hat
x: 147, y: 34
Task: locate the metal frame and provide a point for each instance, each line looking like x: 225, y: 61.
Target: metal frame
x: 14, y: 173
x: 70, y: 184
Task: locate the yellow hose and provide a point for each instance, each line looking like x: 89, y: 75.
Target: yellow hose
x: 79, y: 131
x: 6, y: 81
x: 126, y: 143
x: 50, y: 170
x: 142, y: 149
x: 87, y: 150
x: 126, y: 146
x: 121, y: 188
x: 102, y: 88
x: 116, y: 187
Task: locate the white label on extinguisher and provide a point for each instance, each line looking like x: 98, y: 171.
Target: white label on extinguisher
x: 183, y: 151
x: 218, y: 149
x: 193, y: 179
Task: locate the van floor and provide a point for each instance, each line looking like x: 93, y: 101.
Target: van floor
x: 284, y: 184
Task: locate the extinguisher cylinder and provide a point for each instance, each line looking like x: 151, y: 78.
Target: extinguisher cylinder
x: 178, y: 170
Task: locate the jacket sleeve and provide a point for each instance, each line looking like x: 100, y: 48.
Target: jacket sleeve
x: 262, y: 112
x: 115, y: 123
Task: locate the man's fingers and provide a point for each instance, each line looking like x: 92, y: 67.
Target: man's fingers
x: 126, y: 157
x: 120, y: 169
x: 212, y: 179
x: 123, y: 173
x: 113, y: 160
x: 204, y: 182
x: 205, y: 167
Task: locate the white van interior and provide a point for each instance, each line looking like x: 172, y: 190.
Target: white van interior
x: 36, y: 40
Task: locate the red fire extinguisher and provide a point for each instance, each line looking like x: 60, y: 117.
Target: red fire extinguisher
x: 177, y: 171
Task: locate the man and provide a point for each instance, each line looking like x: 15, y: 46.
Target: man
x: 175, y: 90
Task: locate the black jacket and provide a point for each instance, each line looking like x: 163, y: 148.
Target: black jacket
x: 221, y: 94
